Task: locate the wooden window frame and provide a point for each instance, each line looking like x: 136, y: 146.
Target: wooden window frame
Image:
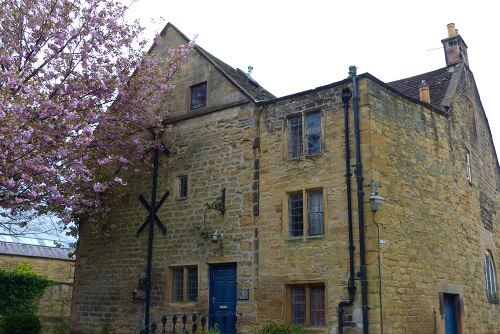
x: 288, y: 302
x: 185, y: 283
x: 289, y: 215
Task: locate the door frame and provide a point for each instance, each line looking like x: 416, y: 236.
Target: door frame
x: 211, y: 267
x: 457, y: 290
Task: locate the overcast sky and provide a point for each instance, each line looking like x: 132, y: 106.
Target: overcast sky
x: 299, y: 45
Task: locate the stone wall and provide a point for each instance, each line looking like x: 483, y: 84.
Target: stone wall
x: 427, y: 241
x: 211, y: 147
x: 54, y: 306
x: 433, y: 223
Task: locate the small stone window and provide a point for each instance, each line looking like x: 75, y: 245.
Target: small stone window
x: 305, y: 304
x: 198, y: 96
x: 184, y: 284
x: 490, y: 277
x: 468, y: 166
x: 182, y: 186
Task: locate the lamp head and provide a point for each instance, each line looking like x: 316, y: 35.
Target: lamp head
x: 375, y: 201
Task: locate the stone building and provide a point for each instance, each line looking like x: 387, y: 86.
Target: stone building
x: 50, y: 261
x: 356, y: 207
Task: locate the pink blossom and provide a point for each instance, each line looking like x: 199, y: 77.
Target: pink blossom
x: 62, y: 135
x: 99, y: 188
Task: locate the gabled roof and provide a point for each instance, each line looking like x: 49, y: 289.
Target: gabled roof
x: 438, y: 81
x: 240, y: 79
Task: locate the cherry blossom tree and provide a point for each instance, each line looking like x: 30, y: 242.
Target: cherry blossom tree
x: 77, y: 97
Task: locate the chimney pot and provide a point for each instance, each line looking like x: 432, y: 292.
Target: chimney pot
x: 451, y: 30
x: 424, y: 93
x: 455, y: 49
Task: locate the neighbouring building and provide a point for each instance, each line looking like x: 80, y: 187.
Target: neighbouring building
x: 50, y: 261
x: 356, y: 207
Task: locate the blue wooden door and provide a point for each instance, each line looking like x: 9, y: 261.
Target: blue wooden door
x: 223, y: 297
x: 450, y: 314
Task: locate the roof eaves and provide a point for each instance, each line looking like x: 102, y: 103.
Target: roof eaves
x: 214, y: 61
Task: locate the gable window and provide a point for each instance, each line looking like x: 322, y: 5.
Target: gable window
x: 305, y: 304
x: 304, y: 135
x: 468, y: 166
x: 198, y: 96
x: 184, y: 284
x: 182, y: 186
x: 313, y: 210
x: 490, y: 278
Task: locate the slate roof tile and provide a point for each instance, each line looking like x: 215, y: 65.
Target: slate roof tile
x: 437, y: 80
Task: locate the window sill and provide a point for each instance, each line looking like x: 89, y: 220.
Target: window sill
x: 306, y: 156
x: 493, y: 300
x: 305, y: 238
x: 314, y: 155
x: 315, y: 329
x: 183, y: 304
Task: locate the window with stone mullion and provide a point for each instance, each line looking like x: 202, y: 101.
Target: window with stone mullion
x: 315, y: 212
x: 313, y: 133
x: 177, y: 284
x: 295, y: 137
x: 317, y: 296
x: 298, y: 305
x: 296, y: 214
x: 192, y: 284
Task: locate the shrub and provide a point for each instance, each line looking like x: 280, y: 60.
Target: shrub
x: 23, y: 323
x: 20, y: 289
x: 211, y: 330
x: 272, y: 327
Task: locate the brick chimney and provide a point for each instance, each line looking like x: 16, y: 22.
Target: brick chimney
x: 424, y: 93
x: 455, y: 49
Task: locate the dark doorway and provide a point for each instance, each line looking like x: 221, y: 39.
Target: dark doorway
x: 450, y: 303
x: 222, y: 306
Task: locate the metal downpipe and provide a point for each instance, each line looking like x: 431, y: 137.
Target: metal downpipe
x: 351, y: 287
x: 359, y: 178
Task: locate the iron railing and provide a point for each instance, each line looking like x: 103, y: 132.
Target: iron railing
x: 197, y: 322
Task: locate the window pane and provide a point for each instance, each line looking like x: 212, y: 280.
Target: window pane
x: 469, y: 171
x: 313, y: 133
x: 489, y: 270
x: 317, y: 306
x: 198, y: 96
x: 177, y: 282
x: 192, y: 284
x: 298, y: 305
x: 296, y: 215
x: 315, y: 211
x: 295, y: 130
x: 183, y: 186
